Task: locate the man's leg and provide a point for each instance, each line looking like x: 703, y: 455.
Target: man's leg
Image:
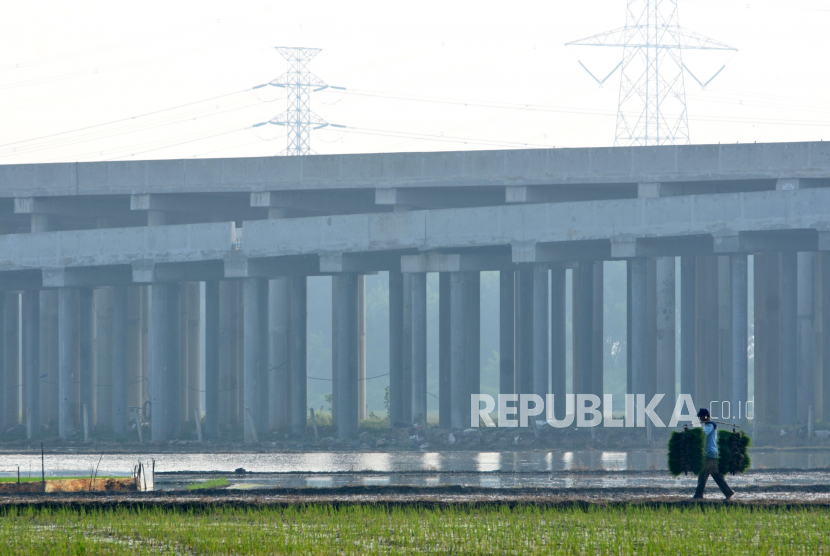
x: 701, y: 483
x: 724, y: 488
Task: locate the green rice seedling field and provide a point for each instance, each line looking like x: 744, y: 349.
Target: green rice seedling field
x: 357, y: 529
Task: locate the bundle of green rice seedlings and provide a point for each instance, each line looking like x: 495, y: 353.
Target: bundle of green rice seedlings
x: 686, y: 449
x: 732, y: 452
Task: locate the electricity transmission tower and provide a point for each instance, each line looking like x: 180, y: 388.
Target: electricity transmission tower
x: 652, y: 98
x: 299, y: 119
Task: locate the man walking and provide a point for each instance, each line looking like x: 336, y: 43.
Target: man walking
x: 711, y: 452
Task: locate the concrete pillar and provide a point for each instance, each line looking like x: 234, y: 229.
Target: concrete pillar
x: 665, y: 322
x: 459, y: 381
x: 540, y: 330
x: 279, y: 317
x: 137, y: 391
x: 396, y: 303
x: 11, y: 351
x: 789, y: 338
x: 629, y: 380
x: 346, y: 285
x: 66, y: 360
x: 473, y: 331
x: 558, y: 340
x: 687, y: 326
x: 724, y: 383
x: 506, y: 331
x: 104, y: 362
x: 227, y: 357
x: 158, y: 346
x: 707, y: 330
x: 639, y: 325
x: 212, y: 348
x: 174, y: 378
x: 334, y: 376
x: 524, y: 332
x: 299, y: 367
x: 419, y: 347
x: 253, y: 364
x: 651, y: 327
x: 823, y: 368
x: 806, y: 334
x: 444, y: 360
x: 119, y: 345
x: 5, y: 370
x: 86, y: 338
x: 194, y: 348
x: 406, y: 382
x: 768, y: 343
x: 740, y: 334
x: 48, y: 361
x: 31, y: 358
x: 583, y: 328
x: 361, y: 346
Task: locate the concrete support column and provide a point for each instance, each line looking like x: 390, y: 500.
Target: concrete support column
x: 252, y: 370
x: 227, y: 351
x: 212, y: 342
x: 789, y: 338
x: 279, y: 326
x: 334, y: 376
x: 175, y: 377
x: 767, y: 337
x: 724, y: 383
x: 396, y: 303
x: 506, y: 332
x: 419, y: 348
x: 707, y: 330
x: 5, y: 370
x: 31, y: 358
x: 583, y: 328
x: 665, y: 322
x: 687, y: 326
x: 806, y: 334
x: 822, y: 332
x: 558, y: 320
x: 11, y: 352
x: 473, y: 331
x: 119, y: 361
x: 361, y: 346
x: 639, y: 325
x: 540, y: 330
x: 740, y: 333
x: 346, y: 285
x: 192, y: 349
x: 597, y: 332
x: 459, y: 381
x: 524, y: 332
x: 406, y: 382
x: 299, y: 367
x: 444, y: 377
x: 157, y: 347
x: 104, y: 362
x: 86, y: 339
x: 48, y: 361
x: 66, y: 360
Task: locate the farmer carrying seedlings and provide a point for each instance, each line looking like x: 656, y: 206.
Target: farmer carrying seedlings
x: 711, y: 451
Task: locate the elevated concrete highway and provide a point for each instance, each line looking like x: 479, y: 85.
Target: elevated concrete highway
x: 132, y: 245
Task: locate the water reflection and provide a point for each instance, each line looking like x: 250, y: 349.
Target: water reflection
x: 391, y: 462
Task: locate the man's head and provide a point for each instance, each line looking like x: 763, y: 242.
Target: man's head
x: 704, y: 414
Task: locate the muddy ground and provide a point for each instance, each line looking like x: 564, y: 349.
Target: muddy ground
x: 773, y: 495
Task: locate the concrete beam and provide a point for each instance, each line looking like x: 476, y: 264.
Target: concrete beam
x: 730, y: 241
x: 315, y: 201
x: 358, y: 262
x: 566, y: 251
x: 444, y: 198
x: 628, y: 246
x: 444, y: 262
x: 237, y: 265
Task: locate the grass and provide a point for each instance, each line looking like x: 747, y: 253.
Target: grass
x: 323, y: 529
x: 212, y: 483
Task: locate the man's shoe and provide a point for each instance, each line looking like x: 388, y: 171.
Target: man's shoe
x: 697, y: 497
x: 728, y: 498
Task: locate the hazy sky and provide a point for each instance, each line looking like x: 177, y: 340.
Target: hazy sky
x: 421, y: 76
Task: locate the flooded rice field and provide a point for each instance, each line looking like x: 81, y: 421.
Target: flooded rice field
x: 493, y: 470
